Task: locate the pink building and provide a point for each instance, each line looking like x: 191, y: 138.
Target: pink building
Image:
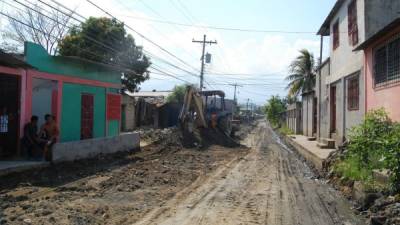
x: 382, y: 70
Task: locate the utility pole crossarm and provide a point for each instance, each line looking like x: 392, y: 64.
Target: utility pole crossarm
x: 203, y: 42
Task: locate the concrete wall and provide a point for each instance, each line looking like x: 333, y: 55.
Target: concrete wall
x: 307, y: 114
x: 38, y: 57
x: 379, y: 13
x: 345, y: 118
x: 128, y: 121
x: 343, y: 60
x: 42, y: 91
x: 322, y: 93
x: 293, y: 118
x: 70, y: 151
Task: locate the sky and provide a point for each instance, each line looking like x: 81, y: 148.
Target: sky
x: 257, y: 61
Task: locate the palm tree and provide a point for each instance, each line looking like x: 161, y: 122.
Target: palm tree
x: 302, y: 73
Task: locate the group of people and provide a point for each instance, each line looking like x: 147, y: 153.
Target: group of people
x: 38, y: 143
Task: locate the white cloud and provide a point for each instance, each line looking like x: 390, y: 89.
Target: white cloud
x: 265, y: 55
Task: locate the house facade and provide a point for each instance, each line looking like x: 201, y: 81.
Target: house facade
x: 382, y: 69
x: 82, y: 95
x: 345, y: 99
x: 342, y: 92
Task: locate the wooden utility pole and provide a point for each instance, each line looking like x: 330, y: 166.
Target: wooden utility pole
x: 204, y: 42
x: 235, y: 85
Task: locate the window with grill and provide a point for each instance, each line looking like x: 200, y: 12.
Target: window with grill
x: 387, y: 63
x: 336, y: 36
x: 353, y: 93
x: 352, y: 22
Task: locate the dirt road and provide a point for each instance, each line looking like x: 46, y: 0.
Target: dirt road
x: 166, y: 184
x: 268, y: 186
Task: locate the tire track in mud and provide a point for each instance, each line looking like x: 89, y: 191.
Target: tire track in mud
x: 268, y: 186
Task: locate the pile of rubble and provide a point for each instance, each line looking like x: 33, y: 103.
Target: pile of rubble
x: 167, y: 136
x: 385, y: 211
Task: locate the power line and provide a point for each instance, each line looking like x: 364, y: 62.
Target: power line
x: 220, y: 28
x: 147, y: 52
x: 142, y: 36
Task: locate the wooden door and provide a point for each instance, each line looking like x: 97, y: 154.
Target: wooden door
x: 87, y: 116
x: 333, y: 109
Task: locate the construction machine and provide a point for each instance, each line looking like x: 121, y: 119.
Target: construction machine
x: 204, y: 114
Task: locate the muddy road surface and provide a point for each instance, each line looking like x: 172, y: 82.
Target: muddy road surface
x: 270, y: 185
x: 263, y: 183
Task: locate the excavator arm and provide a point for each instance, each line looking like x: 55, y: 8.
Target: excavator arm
x: 193, y: 102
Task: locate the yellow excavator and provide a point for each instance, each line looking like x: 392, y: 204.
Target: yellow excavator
x: 204, y: 116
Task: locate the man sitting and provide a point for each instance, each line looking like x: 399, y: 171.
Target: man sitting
x: 49, y: 132
x: 31, y: 142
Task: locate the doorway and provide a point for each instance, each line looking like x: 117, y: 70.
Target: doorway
x: 333, y: 109
x: 315, y: 116
x: 87, y: 102
x: 9, y: 115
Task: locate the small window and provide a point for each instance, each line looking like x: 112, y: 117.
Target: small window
x: 336, y: 35
x: 353, y: 93
x: 352, y: 23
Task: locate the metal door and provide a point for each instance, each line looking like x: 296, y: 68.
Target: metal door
x: 87, y: 116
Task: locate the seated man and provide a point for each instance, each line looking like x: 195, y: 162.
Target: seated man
x: 49, y: 132
x: 31, y: 141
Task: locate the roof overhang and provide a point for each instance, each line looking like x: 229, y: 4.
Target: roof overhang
x: 10, y: 60
x: 325, y: 28
x: 375, y: 37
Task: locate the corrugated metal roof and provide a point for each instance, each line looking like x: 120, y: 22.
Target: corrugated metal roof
x: 149, y: 93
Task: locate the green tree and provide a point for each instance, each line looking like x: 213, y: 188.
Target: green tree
x: 177, y: 95
x: 106, y: 40
x: 274, y: 109
x: 302, y: 73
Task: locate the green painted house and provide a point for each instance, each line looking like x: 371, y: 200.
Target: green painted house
x: 83, y: 95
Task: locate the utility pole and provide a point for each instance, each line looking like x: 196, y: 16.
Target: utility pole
x: 234, y: 93
x: 204, y: 42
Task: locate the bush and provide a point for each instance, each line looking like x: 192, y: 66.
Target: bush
x: 374, y: 144
x: 274, y: 109
x: 285, y: 130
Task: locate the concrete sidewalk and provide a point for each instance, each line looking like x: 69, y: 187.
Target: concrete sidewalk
x: 309, y: 150
x: 7, y: 167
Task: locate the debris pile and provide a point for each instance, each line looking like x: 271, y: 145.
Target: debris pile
x: 167, y: 136
x: 385, y: 211
x: 380, y: 209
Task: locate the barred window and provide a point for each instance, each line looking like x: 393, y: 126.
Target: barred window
x: 336, y: 36
x: 387, y: 63
x: 352, y: 22
x: 353, y: 93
